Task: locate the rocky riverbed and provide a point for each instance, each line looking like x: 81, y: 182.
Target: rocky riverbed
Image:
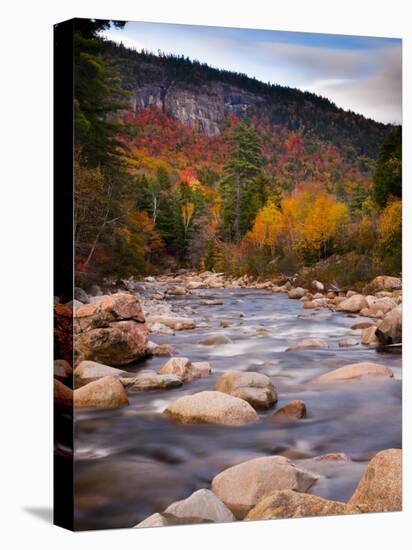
x: 244, y: 400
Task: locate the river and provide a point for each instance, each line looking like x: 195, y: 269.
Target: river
x: 133, y: 461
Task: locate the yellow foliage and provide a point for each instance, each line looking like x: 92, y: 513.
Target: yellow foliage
x: 267, y: 226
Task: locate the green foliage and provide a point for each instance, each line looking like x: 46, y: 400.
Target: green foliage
x: 242, y: 190
x: 388, y: 173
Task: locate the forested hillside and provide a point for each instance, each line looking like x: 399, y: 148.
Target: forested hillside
x: 182, y: 165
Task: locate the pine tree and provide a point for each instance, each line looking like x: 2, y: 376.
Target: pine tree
x: 387, y: 178
x: 239, y: 184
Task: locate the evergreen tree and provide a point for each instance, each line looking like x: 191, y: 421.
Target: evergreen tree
x: 387, y: 178
x: 98, y: 95
x: 358, y: 197
x: 240, y: 203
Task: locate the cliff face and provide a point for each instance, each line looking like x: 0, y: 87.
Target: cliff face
x: 203, y: 108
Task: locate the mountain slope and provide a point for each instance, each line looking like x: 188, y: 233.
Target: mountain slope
x: 202, y: 97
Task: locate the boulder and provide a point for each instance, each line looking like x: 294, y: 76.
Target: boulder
x: 255, y: 388
x: 348, y: 342
x: 174, y: 323
x: 163, y: 350
x: 379, y: 308
x: 159, y: 328
x: 309, y: 343
x: 92, y: 370
x: 311, y: 304
x: 202, y: 504
x: 176, y: 291
x: 290, y: 504
x: 193, y: 285
x: 62, y: 368
x: 295, y: 410
x: 353, y: 304
x: 215, y: 302
x: 383, y: 282
x: 155, y: 520
x: 105, y: 393
x: 216, y: 341
x: 380, y: 489
x: 242, y: 486
x: 350, y: 293
x: 184, y: 369
x: 62, y: 394
x: 368, y: 337
x: 151, y: 381
x: 211, y: 407
x: 362, y: 325
x: 296, y: 293
x: 110, y: 331
x: 354, y: 372
x: 389, y: 330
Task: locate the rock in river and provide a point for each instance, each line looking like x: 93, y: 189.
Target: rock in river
x: 202, y: 504
x: 290, y: 504
x: 353, y: 304
x: 174, y: 323
x: 151, y: 381
x: 105, y: 393
x: 241, y: 487
x: 368, y: 337
x: 211, y: 407
x: 92, y: 370
x: 184, y: 369
x: 296, y: 293
x: 355, y: 371
x: 389, y: 330
x: 216, y: 341
x: 310, y: 343
x: 255, y: 388
x: 111, y: 331
x: 295, y: 410
x: 380, y: 489
x: 382, y: 282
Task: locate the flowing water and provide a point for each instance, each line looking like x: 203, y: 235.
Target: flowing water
x: 133, y: 461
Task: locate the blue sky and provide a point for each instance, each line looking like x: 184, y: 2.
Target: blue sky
x: 358, y: 73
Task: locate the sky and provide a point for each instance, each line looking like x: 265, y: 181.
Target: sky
x: 363, y: 74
